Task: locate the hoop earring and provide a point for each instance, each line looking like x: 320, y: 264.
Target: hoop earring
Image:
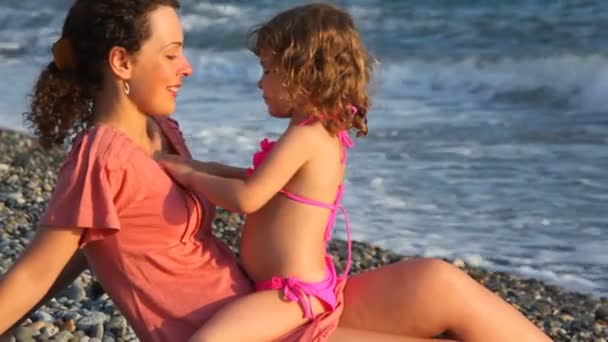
x: 126, y: 88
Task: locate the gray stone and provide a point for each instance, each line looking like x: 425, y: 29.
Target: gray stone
x: 75, y: 316
x: 117, y: 325
x: 601, y: 314
x: 93, y: 319
x: 97, y: 331
x: 459, y: 263
x: 44, y: 336
x: 12, y: 196
x: 543, y: 307
x: 26, y: 332
x: 108, y: 338
x: 50, y: 330
x: 74, y: 292
x: 79, y: 333
x: 44, y: 316
x: 130, y: 337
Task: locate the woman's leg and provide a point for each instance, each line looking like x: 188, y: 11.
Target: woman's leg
x: 342, y: 334
x: 427, y: 297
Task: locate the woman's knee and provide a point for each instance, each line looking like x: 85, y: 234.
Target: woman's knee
x: 438, y: 277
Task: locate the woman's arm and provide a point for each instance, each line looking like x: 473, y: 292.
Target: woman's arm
x: 71, y: 271
x: 36, y: 272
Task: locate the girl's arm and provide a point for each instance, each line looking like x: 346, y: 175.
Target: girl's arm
x: 35, y: 272
x: 248, y: 194
x: 213, y: 168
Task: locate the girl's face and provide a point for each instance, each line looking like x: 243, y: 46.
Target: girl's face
x: 274, y: 93
x: 160, y: 65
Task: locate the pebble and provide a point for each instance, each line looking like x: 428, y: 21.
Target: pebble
x: 74, y: 292
x: 25, y: 332
x: 98, y: 331
x: 93, y: 319
x: 458, y: 263
x: 44, y: 316
x: 601, y: 314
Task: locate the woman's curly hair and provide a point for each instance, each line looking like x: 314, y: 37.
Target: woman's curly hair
x: 62, y: 102
x: 319, y: 51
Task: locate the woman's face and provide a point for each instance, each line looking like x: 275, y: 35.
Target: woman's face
x: 271, y: 82
x: 160, y: 65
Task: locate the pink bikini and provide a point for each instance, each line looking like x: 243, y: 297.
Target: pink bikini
x: 293, y: 288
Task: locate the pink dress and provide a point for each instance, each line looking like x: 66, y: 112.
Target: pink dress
x: 149, y: 241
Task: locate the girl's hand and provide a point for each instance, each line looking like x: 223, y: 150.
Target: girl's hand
x: 180, y: 168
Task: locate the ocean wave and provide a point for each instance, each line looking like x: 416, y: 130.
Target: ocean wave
x: 567, y: 80
x: 580, y: 81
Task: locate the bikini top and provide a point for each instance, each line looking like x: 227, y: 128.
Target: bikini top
x: 266, y: 146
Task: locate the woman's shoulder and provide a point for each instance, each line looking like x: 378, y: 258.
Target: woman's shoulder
x: 105, y: 145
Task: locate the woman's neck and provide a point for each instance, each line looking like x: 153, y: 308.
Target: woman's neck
x: 124, y: 116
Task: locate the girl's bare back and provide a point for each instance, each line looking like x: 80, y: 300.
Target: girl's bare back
x: 286, y: 238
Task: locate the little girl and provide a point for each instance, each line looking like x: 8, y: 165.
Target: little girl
x: 315, y: 73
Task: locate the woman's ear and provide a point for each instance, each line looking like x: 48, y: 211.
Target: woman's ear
x: 120, y: 62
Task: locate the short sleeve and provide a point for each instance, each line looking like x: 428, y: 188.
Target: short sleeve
x: 88, y: 187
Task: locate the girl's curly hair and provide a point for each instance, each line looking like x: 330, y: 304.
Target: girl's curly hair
x: 319, y: 51
x: 62, y: 102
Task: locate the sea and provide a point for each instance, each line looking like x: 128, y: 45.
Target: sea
x: 488, y: 133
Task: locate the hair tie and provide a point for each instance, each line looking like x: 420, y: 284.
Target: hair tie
x: 353, y: 109
x: 63, y: 54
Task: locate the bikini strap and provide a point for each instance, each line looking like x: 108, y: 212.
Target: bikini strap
x: 346, y: 143
x: 308, y: 201
x: 331, y: 219
x: 349, y: 242
x: 306, y: 122
x: 338, y: 206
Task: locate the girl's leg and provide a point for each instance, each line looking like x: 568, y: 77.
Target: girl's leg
x: 427, y: 297
x: 260, y: 316
x: 342, y: 334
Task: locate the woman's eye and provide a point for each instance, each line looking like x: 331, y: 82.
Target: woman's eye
x: 171, y: 57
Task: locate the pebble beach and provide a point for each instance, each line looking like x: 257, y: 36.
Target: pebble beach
x: 83, y: 312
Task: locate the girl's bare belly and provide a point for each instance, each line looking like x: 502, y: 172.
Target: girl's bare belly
x: 284, y: 238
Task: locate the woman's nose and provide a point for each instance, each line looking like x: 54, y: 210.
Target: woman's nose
x: 186, y: 68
